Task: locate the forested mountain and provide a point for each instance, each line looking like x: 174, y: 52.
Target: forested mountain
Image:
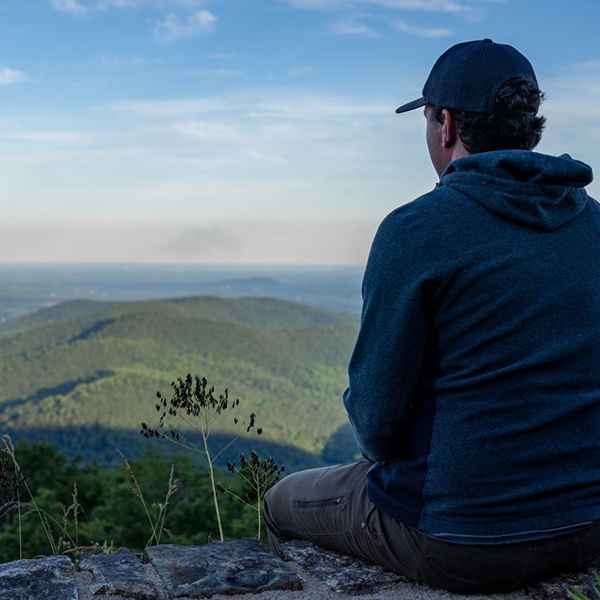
x: 84, y: 374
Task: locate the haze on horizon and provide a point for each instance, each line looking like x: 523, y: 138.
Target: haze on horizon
x: 236, y: 132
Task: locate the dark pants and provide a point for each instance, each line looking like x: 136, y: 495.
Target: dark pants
x: 330, y: 507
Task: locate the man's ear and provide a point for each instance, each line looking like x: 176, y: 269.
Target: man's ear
x: 448, y: 129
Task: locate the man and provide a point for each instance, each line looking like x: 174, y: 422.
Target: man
x: 475, y: 381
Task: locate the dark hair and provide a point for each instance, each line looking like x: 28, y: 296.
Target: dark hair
x: 519, y: 128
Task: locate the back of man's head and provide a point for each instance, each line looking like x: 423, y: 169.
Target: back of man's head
x: 491, y: 93
x: 520, y: 128
x: 517, y: 127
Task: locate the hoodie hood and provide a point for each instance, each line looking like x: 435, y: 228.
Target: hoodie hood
x: 535, y: 190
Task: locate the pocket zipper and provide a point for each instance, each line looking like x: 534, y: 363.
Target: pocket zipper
x: 317, y: 503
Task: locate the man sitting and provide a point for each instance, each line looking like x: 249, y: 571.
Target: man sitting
x: 474, y: 388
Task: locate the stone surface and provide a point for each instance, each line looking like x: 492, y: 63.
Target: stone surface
x: 347, y: 575
x: 555, y: 588
x: 235, y: 567
x: 38, y: 579
x: 340, y: 573
x: 118, y: 574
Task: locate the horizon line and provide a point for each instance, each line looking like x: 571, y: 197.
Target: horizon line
x: 167, y: 264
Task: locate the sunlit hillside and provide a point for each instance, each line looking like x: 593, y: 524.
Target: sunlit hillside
x: 84, y: 375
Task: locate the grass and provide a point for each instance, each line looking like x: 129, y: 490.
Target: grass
x: 65, y: 544
x: 577, y: 595
x: 9, y: 449
x: 157, y: 520
x: 195, y: 408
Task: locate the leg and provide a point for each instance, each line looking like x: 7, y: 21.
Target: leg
x: 329, y: 507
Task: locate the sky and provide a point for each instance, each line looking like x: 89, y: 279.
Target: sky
x: 247, y: 131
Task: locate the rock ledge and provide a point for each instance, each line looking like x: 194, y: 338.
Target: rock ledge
x: 228, y: 570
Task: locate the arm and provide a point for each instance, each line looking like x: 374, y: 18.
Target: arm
x: 386, y: 363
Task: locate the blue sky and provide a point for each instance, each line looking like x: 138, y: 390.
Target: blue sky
x: 247, y: 131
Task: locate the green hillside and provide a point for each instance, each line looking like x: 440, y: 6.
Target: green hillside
x: 86, y: 373
x: 53, y: 314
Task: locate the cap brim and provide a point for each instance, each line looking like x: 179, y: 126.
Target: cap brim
x: 412, y: 105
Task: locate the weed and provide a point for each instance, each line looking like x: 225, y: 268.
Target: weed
x: 195, y: 404
x: 9, y: 448
x: 157, y: 522
x: 260, y: 474
x: 10, y: 495
x: 577, y: 595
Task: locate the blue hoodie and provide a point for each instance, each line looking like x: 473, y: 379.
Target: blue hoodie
x: 475, y: 380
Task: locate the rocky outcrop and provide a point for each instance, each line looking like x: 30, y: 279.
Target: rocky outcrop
x: 118, y: 574
x: 228, y: 570
x: 45, y: 579
x: 340, y: 573
x: 351, y: 576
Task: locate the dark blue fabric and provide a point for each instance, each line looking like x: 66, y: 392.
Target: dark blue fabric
x: 475, y: 379
x: 482, y: 67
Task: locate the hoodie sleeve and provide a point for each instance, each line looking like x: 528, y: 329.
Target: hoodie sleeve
x: 385, y: 366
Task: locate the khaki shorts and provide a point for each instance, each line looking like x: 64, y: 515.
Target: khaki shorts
x: 329, y: 507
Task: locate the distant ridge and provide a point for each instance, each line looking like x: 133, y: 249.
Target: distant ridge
x: 63, y: 311
x: 264, y: 313
x: 257, y: 281
x: 24, y: 290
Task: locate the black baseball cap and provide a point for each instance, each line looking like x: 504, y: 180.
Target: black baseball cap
x: 468, y: 75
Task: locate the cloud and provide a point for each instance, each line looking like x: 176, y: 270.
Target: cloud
x: 89, y: 83
x: 105, y: 4
x: 572, y: 108
x: 122, y: 61
x: 205, y: 243
x: 216, y: 72
x: 76, y: 7
x: 273, y: 159
x: 174, y: 28
x: 191, y: 4
x: 299, y: 71
x: 68, y: 6
x: 269, y: 106
x: 222, y: 55
x: 167, y: 108
x: 351, y: 27
x: 300, y: 108
x: 206, y: 131
x: 61, y: 137
x: 275, y: 241
x: 8, y: 76
x: 453, y: 6
x: 426, y: 32
x: 271, y: 130
x: 125, y: 4
x: 233, y: 241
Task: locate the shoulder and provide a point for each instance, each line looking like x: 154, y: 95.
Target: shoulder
x: 404, y: 236
x: 425, y: 216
